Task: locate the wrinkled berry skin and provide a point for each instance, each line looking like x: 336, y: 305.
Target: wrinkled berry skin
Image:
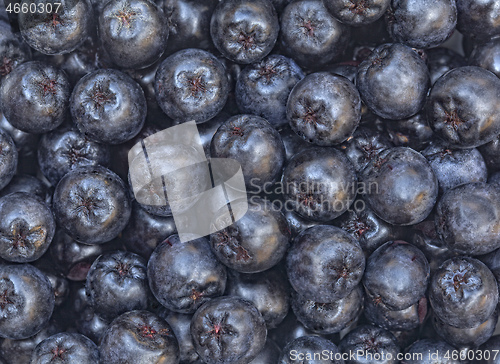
x: 397, y: 274
x: 57, y: 33
x: 139, y: 337
x: 400, y: 186
x: 324, y: 108
x: 328, y: 318
x: 26, y: 301
x: 311, y: 35
x: 189, y: 23
x: 469, y: 337
x: 487, y: 56
x: 27, y: 227
x: 393, y: 81
x: 455, y: 167
x: 357, y: 12
x: 269, y: 291
x: 34, y: 97
x: 66, y: 348
x: 191, y: 85
x: 463, y: 292
x: 228, y: 330
x: 467, y: 218
x: 91, y: 204
x: 263, y: 87
x: 422, y: 24
x: 319, y: 184
x: 462, y: 109
x: 61, y: 151
x: 8, y: 158
x: 325, y: 264
x: 134, y: 33
x: 305, y: 349
x: 478, y: 18
x: 254, y: 243
x: 108, y: 106
x: 370, y: 340
x: 183, y: 276
x: 255, y: 144
x: 427, y: 347
x: 244, y: 31
x: 117, y: 283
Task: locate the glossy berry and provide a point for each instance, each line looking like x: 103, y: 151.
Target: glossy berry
x: 393, y: 81
x: 357, y: 12
x: 244, y: 31
x: 228, y: 330
x: 61, y: 151
x: 66, y: 348
x: 108, y: 106
x: 478, y: 18
x: 466, y: 337
x: 397, y: 274
x: 145, y: 231
x: 262, y: 88
x: 311, y: 35
x: 191, y: 85
x: 422, y: 24
x: 463, y: 292
x: 309, y: 349
x: 8, y: 158
x: 269, y: 291
x: 27, y: 227
x: 324, y: 109
x: 73, y: 259
x: 459, y: 109
x: 328, y: 318
x: 387, y: 318
x: 91, y: 204
x: 364, y: 146
x: 454, y: 167
x: 369, y: 341
x: 325, y: 264
x: 419, y: 351
x: 29, y: 184
x: 35, y: 97
x: 467, y: 217
x: 247, y: 139
x: 319, y: 184
x: 183, y: 276
x: 487, y: 56
x: 254, y: 243
x: 400, y: 186
x: 189, y: 23
x: 440, y: 60
x: 117, y: 283
x: 139, y: 337
x: 134, y: 33
x: 26, y: 301
x: 13, y: 51
x: 181, y: 326
x: 59, y: 30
